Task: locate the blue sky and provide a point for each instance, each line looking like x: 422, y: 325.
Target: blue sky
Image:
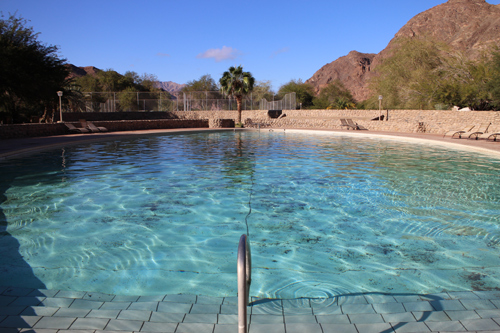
x: 182, y: 40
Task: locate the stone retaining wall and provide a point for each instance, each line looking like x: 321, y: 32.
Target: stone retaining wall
x: 33, y: 130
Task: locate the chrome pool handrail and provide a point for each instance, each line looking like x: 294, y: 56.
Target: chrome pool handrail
x: 244, y: 280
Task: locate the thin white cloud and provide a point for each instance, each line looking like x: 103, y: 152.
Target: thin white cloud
x: 283, y: 50
x: 226, y: 53
x: 160, y: 54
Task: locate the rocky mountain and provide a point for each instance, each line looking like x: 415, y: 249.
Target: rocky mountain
x: 75, y: 71
x: 466, y: 25
x: 170, y: 86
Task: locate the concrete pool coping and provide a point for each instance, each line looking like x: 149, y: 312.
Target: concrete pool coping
x: 10, y: 148
x: 55, y: 311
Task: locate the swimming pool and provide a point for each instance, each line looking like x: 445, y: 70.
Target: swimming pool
x: 326, y: 214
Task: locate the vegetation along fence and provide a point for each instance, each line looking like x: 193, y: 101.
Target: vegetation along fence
x: 163, y: 101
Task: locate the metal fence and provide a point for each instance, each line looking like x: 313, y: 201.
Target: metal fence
x: 163, y: 101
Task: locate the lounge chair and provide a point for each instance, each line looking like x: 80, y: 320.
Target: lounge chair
x: 457, y: 133
x: 343, y: 123
x: 473, y: 134
x: 356, y: 126
x: 92, y: 128
x: 74, y: 129
x: 486, y: 136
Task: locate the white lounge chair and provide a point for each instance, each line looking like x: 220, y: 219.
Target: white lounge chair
x: 473, y: 134
x: 74, y: 129
x: 456, y: 133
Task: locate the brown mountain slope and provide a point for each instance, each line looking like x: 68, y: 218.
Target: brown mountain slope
x: 472, y: 26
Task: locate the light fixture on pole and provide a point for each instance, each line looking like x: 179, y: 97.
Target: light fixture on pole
x: 380, y: 107
x: 60, y: 93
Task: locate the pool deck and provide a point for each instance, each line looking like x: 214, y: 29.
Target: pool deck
x: 59, y: 311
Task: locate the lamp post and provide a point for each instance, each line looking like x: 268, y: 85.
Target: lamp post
x: 380, y: 108
x: 60, y: 93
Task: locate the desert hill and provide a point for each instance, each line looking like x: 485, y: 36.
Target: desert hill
x: 466, y: 25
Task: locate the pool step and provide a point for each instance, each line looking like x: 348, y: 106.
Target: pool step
x: 51, y: 311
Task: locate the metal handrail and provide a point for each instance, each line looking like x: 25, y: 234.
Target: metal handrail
x: 244, y: 281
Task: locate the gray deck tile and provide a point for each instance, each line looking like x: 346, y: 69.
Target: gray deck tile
x: 298, y: 311
x: 436, y: 297
x: 462, y: 295
x: 70, y: 294
x: 43, y: 292
x: 451, y: 326
x: 156, y: 298
x: 418, y: 306
x: 229, y: 319
x: 115, y: 306
x: 209, y: 300
x: 365, y: 318
x: 180, y: 298
x: 55, y: 323
x: 388, y: 307
x: 374, y: 328
x: 89, y: 323
x: 228, y: 328
x: 12, y: 310
x: 66, y: 312
x: 410, y: 327
x: 98, y: 297
x: 6, y: 300
x: 205, y: 318
x: 145, y: 306
x: 174, y: 307
x: 159, y: 327
x: 333, y: 319
x: 357, y: 308
x: 124, y: 325
x: 39, y: 330
x: 300, y: 319
x: 431, y: 316
x: 496, y: 302
x: 14, y: 291
x: 489, y: 294
x: 164, y: 317
x: 39, y: 311
x: 125, y: 298
x: 84, y: 304
x: 233, y: 300
x: 232, y: 309
x: 303, y: 327
x: 339, y: 328
x: 75, y: 331
x: 28, y: 301
x: 266, y: 319
x: 332, y: 310
x: 358, y: 299
x: 57, y: 302
x: 451, y: 305
x: 489, y: 313
x: 205, y: 308
x: 377, y: 298
x: 267, y: 328
x: 110, y: 314
x: 480, y: 324
x: 407, y: 298
x: 107, y: 331
x: 195, y: 328
x: 20, y: 321
x: 478, y: 304
x: 462, y: 315
x: 135, y: 315
x: 405, y: 317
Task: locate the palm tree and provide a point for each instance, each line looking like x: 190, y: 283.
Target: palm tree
x: 237, y: 83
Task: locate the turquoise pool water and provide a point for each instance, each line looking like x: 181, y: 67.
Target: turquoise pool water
x: 326, y: 214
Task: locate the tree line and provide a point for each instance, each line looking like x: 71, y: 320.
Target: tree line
x: 421, y: 73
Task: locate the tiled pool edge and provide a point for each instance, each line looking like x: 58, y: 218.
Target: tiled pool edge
x: 59, y: 311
